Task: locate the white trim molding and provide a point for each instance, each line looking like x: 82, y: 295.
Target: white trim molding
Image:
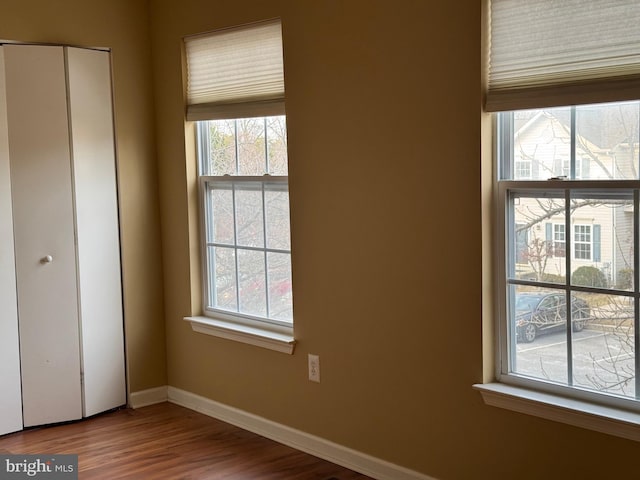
x: 144, y: 398
x: 609, y: 420
x: 316, y: 446
x: 243, y: 333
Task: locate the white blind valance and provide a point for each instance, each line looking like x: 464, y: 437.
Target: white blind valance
x: 235, y: 72
x: 561, y: 52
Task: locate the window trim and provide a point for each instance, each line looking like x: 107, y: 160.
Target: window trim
x: 257, y: 331
x: 611, y: 420
x: 279, y: 340
x: 565, y: 404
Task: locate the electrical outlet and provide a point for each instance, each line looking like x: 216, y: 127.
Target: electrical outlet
x: 314, y: 368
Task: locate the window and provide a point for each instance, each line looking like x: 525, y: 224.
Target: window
x: 523, y: 168
x: 573, y: 346
x: 558, y: 240
x: 246, y: 238
x: 565, y: 98
x: 235, y: 95
x: 582, y: 242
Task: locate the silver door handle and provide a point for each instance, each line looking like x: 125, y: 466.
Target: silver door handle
x: 47, y: 259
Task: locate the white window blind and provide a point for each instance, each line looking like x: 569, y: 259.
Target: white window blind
x: 561, y: 52
x: 235, y: 73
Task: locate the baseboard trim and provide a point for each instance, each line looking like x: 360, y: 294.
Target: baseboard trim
x: 151, y: 396
x: 316, y: 446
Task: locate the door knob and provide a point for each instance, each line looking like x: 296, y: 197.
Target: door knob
x: 47, y: 259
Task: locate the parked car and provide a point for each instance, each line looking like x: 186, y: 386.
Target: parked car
x: 538, y: 313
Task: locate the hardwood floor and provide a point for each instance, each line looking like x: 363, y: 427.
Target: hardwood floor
x: 169, y: 442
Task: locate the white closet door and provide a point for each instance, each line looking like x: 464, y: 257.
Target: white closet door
x: 44, y: 233
x: 97, y: 229
x: 10, y: 395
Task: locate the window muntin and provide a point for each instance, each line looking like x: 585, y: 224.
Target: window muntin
x: 246, y: 232
x: 586, y: 228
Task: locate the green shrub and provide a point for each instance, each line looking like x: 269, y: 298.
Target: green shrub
x: 589, y: 277
x: 625, y: 279
x: 553, y: 278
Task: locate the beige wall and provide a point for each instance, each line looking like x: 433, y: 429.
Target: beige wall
x: 122, y: 26
x: 383, y: 104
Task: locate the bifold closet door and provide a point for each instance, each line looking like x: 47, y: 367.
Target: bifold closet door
x: 10, y: 395
x: 43, y: 213
x: 94, y: 179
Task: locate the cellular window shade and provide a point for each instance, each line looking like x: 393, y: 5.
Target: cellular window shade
x: 562, y: 52
x: 235, y: 72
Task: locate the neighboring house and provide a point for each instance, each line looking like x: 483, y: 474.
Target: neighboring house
x: 601, y: 228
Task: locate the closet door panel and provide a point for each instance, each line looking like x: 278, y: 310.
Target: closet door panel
x: 97, y: 229
x: 44, y: 233
x: 10, y: 394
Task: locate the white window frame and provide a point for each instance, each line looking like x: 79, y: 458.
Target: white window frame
x: 565, y: 403
x: 236, y: 325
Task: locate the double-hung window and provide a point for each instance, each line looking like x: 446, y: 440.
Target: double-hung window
x: 563, y: 86
x: 236, y: 98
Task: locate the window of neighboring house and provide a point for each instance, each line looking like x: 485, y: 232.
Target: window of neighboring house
x: 558, y: 240
x: 562, y: 167
x: 582, y: 242
x: 236, y: 97
x: 523, y: 168
x: 522, y: 243
x: 579, y: 126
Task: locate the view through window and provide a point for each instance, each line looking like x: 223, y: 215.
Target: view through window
x: 243, y: 170
x: 568, y: 197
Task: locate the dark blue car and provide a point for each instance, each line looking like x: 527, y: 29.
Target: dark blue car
x: 538, y: 313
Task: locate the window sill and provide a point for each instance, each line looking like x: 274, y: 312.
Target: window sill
x: 609, y: 420
x: 243, y: 333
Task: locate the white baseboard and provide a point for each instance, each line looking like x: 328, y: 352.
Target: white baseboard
x: 151, y: 396
x: 316, y: 446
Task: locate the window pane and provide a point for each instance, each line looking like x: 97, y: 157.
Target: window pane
x: 603, y: 343
x: 537, y: 250
x: 542, y: 143
x: 249, y: 215
x: 277, y: 145
x: 251, y: 147
x: 220, y: 224
x: 251, y: 274
x: 223, y: 284
x: 607, y: 141
x: 277, y: 210
x: 605, y: 136
x: 602, y: 240
x: 280, y: 297
x: 539, y: 319
x: 222, y: 147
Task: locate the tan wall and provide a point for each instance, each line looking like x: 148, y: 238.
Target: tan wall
x: 121, y: 25
x: 383, y: 103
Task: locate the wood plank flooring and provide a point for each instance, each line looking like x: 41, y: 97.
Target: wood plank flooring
x: 169, y: 442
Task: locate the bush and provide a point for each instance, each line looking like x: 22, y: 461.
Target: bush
x: 589, y: 277
x: 625, y: 279
x: 552, y: 277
